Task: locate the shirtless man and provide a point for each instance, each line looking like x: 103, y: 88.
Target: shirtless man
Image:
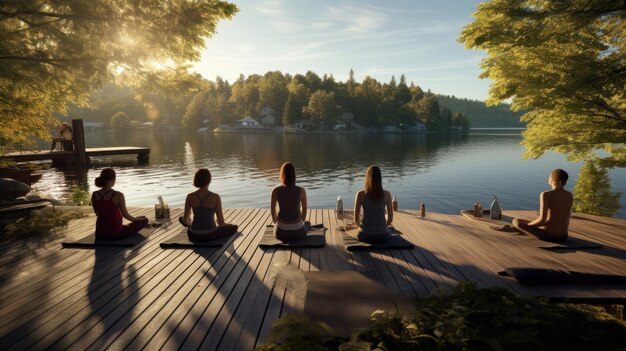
x: 555, y: 208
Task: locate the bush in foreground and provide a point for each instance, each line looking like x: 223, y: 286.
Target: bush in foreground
x: 466, y: 319
x: 41, y: 222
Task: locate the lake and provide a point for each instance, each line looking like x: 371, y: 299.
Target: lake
x: 447, y: 172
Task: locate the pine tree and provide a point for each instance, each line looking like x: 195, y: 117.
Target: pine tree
x: 592, y: 192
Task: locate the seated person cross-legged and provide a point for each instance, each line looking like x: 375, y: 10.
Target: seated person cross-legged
x: 291, y: 200
x: 110, y: 206
x: 205, y: 205
x: 374, y: 228
x: 555, y: 208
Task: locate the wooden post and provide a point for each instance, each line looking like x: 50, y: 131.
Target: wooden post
x: 78, y: 135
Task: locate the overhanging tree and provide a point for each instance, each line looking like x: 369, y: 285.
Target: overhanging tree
x: 53, y: 52
x: 564, y: 62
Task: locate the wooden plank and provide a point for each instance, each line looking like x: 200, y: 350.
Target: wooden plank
x: 227, y: 298
x: 187, y: 318
x: 153, y: 321
x: 77, y: 304
x: 150, y: 298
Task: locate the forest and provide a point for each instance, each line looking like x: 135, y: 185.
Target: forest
x: 193, y: 102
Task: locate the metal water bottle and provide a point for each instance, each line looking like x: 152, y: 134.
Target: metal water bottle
x: 394, y: 204
x: 339, y: 212
x: 494, y: 210
x: 422, y: 210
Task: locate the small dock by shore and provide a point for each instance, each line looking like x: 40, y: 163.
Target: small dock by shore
x: 143, y: 153
x: 226, y: 298
x: 79, y: 154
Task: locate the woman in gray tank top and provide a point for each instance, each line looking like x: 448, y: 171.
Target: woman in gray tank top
x: 291, y: 200
x: 373, y: 199
x: 205, y: 206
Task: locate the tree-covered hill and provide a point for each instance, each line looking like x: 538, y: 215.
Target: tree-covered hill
x: 481, y: 116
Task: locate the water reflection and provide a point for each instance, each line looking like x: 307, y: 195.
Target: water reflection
x: 445, y: 171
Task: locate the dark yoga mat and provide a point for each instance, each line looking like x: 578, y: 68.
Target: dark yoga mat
x: 90, y: 240
x: 314, y: 238
x: 353, y: 244
x: 546, y: 276
x: 570, y: 244
x: 181, y: 240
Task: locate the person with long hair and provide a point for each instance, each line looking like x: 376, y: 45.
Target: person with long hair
x: 205, y: 205
x: 555, y: 208
x: 373, y: 199
x: 291, y: 200
x: 110, y: 206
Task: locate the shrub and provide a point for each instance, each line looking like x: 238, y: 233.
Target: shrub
x: 43, y: 221
x: 120, y: 121
x: 466, y: 319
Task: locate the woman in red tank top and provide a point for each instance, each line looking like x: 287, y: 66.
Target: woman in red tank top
x: 110, y: 207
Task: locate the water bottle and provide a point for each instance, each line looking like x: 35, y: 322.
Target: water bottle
x: 480, y: 210
x: 339, y: 212
x: 422, y: 210
x: 494, y: 210
x: 394, y: 204
x: 476, y: 210
x: 159, y: 208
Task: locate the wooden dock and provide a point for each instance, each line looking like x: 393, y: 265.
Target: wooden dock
x: 81, y: 155
x: 63, y: 156
x: 225, y: 299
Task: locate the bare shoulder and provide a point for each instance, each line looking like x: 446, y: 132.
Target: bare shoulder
x: 387, y: 195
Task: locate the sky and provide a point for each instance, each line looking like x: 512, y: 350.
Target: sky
x: 374, y: 38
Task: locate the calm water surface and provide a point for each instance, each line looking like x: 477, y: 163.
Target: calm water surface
x: 446, y: 172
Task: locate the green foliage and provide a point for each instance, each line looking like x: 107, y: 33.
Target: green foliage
x: 120, y: 121
x: 466, y: 319
x: 196, y: 111
x: 56, y: 52
x: 592, y: 192
x: 80, y: 195
x: 322, y: 107
x: 460, y: 120
x: 44, y: 221
x: 481, y: 115
x: 563, y: 62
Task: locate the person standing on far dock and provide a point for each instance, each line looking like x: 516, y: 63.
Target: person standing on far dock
x: 63, y: 135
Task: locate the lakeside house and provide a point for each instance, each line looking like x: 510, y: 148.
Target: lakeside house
x: 248, y: 122
x: 305, y: 124
x: 268, y: 117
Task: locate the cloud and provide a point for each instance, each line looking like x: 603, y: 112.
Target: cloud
x: 273, y: 8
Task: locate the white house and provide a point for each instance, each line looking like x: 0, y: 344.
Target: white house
x: 248, y: 122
